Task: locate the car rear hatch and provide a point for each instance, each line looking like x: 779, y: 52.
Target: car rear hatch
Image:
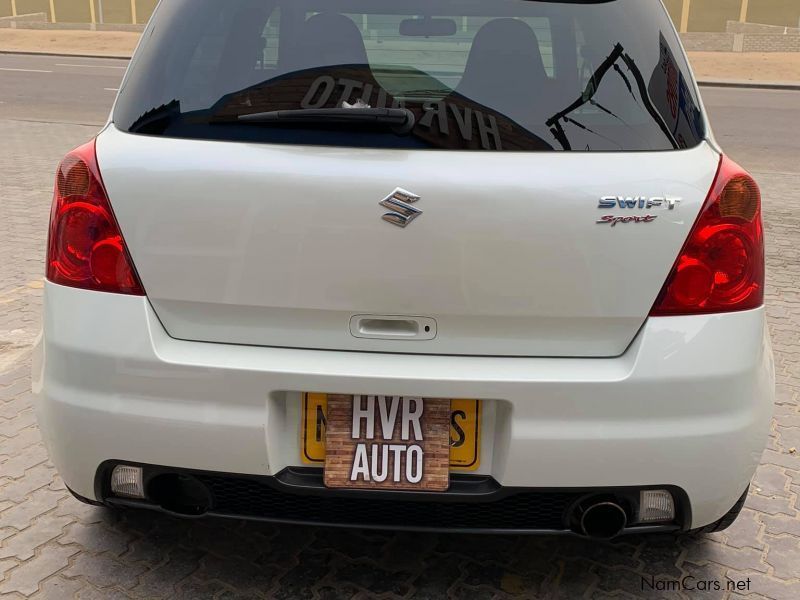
x: 526, y: 226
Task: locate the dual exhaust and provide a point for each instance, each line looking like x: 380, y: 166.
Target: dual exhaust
x: 597, y: 517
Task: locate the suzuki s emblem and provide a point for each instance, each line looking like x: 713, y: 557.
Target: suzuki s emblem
x: 399, y: 204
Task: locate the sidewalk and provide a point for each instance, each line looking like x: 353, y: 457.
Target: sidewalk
x: 752, y: 67
x: 66, y: 42
x: 717, y: 67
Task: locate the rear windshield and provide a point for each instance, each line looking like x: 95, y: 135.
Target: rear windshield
x: 513, y: 75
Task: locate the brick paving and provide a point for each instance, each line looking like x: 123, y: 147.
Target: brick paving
x: 51, y: 546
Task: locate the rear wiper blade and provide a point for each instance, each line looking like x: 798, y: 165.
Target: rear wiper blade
x: 401, y: 120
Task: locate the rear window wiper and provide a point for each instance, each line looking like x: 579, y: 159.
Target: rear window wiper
x: 401, y: 120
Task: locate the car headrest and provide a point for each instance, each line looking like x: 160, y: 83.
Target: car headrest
x: 329, y: 39
x: 505, y: 56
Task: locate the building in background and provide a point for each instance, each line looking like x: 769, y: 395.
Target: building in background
x: 713, y: 15
x: 83, y: 11
x: 689, y: 15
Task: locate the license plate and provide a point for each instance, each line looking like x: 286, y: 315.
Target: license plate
x: 464, y: 434
x: 387, y: 442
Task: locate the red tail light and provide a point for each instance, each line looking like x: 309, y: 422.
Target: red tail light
x: 721, y: 267
x: 86, y: 249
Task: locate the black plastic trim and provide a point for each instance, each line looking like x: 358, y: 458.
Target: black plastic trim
x: 308, y: 481
x: 80, y: 498
x: 639, y: 530
x: 463, y: 487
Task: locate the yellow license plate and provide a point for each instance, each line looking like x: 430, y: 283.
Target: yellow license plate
x: 465, y: 432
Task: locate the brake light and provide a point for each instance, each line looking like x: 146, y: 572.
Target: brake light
x: 86, y: 249
x: 721, y: 266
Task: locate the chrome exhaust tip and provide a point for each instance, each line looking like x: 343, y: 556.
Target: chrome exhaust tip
x: 602, y: 520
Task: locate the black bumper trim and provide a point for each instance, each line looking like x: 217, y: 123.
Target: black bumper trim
x: 474, y: 503
x: 133, y: 504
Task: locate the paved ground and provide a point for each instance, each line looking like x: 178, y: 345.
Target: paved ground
x: 53, y: 547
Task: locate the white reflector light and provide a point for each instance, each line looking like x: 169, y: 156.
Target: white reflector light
x: 127, y: 481
x: 656, y: 506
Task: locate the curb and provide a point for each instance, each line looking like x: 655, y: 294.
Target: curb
x: 44, y: 25
x: 66, y: 54
x: 720, y: 83
x: 753, y: 85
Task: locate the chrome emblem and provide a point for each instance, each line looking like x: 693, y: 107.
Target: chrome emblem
x: 634, y: 203
x: 399, y: 204
x: 640, y: 202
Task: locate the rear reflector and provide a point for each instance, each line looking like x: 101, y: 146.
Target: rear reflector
x: 127, y: 481
x: 656, y: 506
x: 721, y: 267
x: 86, y: 249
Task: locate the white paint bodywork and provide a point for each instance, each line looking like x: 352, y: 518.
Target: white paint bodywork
x: 281, y: 246
x: 687, y: 404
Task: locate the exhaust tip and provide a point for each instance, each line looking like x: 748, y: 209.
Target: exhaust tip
x: 180, y: 494
x: 603, y: 520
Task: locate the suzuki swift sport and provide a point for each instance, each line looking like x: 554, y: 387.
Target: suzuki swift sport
x: 464, y: 265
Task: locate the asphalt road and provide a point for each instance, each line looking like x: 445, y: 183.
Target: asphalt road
x: 759, y: 128
x: 60, y: 89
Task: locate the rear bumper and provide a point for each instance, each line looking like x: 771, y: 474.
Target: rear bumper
x: 688, y: 405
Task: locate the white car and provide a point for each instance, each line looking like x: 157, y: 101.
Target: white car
x: 442, y: 264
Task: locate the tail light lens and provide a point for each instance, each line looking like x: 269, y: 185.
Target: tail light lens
x: 721, y: 267
x: 86, y: 249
